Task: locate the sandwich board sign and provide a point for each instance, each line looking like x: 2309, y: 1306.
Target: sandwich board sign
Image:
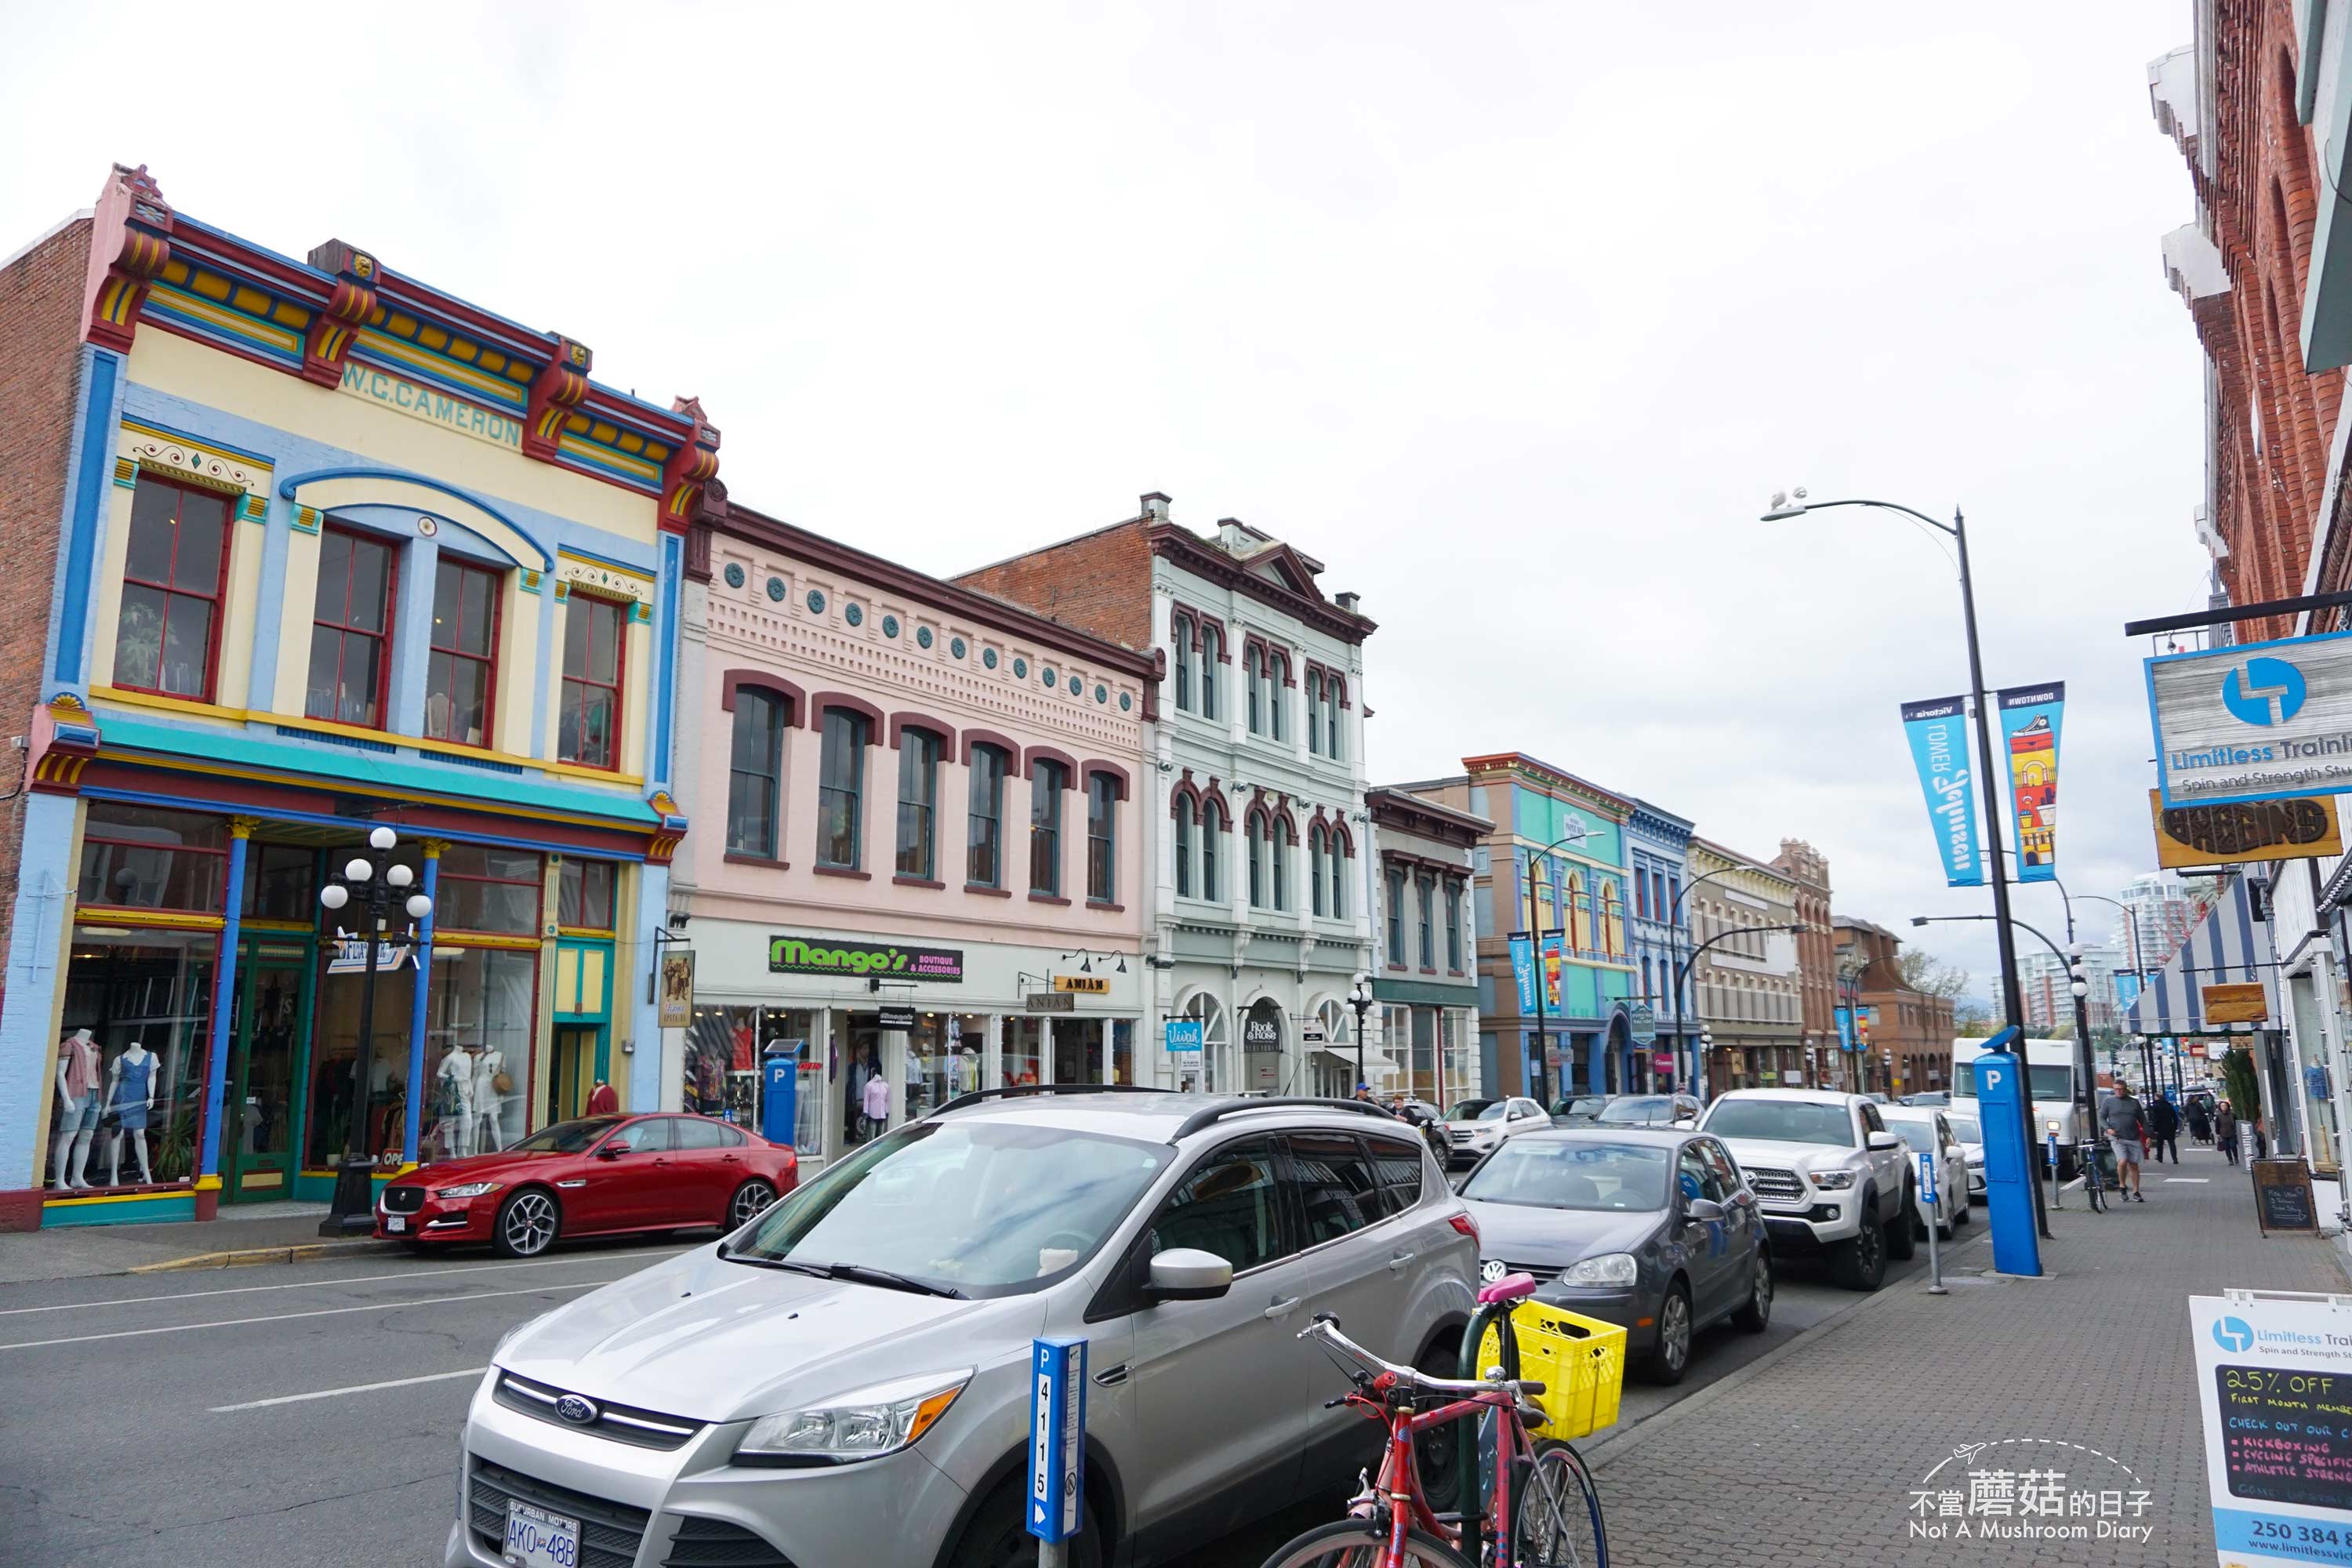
x: 2274, y: 1385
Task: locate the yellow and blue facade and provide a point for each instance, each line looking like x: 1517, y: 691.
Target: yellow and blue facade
x: 338, y: 550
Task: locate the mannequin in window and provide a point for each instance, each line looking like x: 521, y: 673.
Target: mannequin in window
x: 491, y: 1087
x: 77, y: 1108
x: 603, y: 1100
x: 454, y: 1094
x: 129, y: 1106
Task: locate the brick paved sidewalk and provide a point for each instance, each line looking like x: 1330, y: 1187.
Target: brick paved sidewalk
x: 1811, y: 1455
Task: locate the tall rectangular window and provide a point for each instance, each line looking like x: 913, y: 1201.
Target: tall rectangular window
x: 1211, y: 648
x: 1183, y: 846
x: 1314, y: 711
x: 172, y: 573
x: 583, y: 894
x: 984, y: 857
x: 1254, y: 677
x: 1212, y: 838
x: 1641, y: 892
x: 1274, y: 683
x: 1255, y: 834
x: 1315, y: 841
x: 1395, y: 881
x: 1047, y: 782
x: 1454, y: 929
x: 841, y: 790
x: 1182, y: 637
x: 919, y: 799
x: 1280, y: 842
x: 589, y: 732
x: 1428, y: 891
x: 1339, y: 880
x: 351, y: 630
x: 1331, y: 691
x: 1102, y: 838
x: 461, y: 674
x: 755, y: 774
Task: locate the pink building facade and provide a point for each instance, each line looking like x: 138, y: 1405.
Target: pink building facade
x: 919, y: 854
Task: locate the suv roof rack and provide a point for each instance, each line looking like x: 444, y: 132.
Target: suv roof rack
x: 1209, y: 1115
x: 1012, y: 1091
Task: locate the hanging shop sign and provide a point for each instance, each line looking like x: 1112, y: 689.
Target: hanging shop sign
x: 1083, y: 984
x: 2266, y: 721
x: 894, y: 1019
x: 858, y: 959
x: 1312, y: 1034
x: 1050, y: 1001
x: 1938, y: 732
x: 2236, y: 1002
x: 2030, y: 717
x: 677, y: 1004
x: 1183, y: 1036
x: 2300, y: 827
x: 1642, y: 1023
x: 350, y: 956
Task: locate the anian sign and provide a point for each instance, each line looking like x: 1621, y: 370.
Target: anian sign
x: 2259, y: 721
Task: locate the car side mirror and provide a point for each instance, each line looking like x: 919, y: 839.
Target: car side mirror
x: 1703, y: 1211
x: 1879, y: 1141
x: 1687, y: 1122
x: 1189, y: 1274
x: 613, y: 1149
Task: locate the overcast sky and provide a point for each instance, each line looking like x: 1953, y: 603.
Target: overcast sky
x: 1514, y: 315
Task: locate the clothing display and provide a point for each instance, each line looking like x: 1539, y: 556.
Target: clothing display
x: 134, y: 1090
x: 603, y: 1100
x: 877, y: 1099
x: 489, y: 1102
x: 77, y: 1111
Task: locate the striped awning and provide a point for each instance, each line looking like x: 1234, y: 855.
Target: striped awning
x: 2227, y: 945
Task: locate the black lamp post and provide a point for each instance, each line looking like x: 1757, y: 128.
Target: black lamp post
x: 1957, y: 531
x: 1360, y: 998
x: 1682, y: 974
x: 378, y: 886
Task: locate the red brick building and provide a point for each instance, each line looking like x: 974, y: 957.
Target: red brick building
x: 1910, y: 1031
x: 1816, y: 962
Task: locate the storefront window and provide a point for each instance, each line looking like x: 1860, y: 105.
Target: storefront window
x: 1024, y: 1049
x: 1078, y: 1050
x: 583, y: 898
x: 334, y: 1042
x: 278, y: 883
x: 863, y: 1117
x: 726, y: 1051
x: 135, y: 859
x: 1210, y: 1072
x: 482, y: 888
x: 1122, y: 1050
x: 126, y: 1084
x: 945, y: 1058
x: 481, y: 1021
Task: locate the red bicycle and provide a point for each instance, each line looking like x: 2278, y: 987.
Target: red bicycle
x: 1540, y: 1508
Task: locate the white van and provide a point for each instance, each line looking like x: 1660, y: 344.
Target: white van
x: 2054, y: 1070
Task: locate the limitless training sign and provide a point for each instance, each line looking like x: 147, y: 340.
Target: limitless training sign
x: 2267, y: 720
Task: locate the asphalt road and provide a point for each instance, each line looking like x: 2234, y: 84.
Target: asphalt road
x: 290, y: 1416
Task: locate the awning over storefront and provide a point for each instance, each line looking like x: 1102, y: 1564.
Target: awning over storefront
x: 2226, y: 946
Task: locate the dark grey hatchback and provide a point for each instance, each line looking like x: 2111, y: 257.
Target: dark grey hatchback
x: 1649, y: 1227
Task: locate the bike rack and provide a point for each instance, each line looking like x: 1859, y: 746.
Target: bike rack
x: 1470, y: 1493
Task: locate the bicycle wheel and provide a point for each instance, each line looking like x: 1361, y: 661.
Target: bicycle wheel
x: 1360, y: 1543
x: 2094, y: 1189
x: 1558, y: 1522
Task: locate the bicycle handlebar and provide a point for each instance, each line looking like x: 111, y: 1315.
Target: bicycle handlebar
x: 1327, y: 1328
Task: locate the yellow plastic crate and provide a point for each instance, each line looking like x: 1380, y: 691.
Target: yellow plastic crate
x: 1579, y: 1361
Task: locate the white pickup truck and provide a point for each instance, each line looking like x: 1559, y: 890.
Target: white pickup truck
x: 1828, y: 1175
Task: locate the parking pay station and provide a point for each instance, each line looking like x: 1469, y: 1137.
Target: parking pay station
x: 780, y: 1098
x: 2009, y: 1176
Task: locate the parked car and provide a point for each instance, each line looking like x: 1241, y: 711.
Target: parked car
x: 1927, y: 1097
x: 1927, y: 1130
x: 598, y: 1176
x: 1971, y: 1133
x: 1482, y: 1131
x: 1832, y: 1179
x: 1647, y: 1227
x: 848, y: 1378
x: 1650, y: 1110
x: 1577, y: 1110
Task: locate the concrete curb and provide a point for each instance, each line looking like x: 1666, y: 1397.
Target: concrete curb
x: 1617, y: 1446
x: 246, y: 1256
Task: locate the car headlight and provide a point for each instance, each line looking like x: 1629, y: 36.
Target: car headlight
x: 1830, y: 1180
x: 466, y: 1190
x: 1609, y: 1269
x: 863, y: 1424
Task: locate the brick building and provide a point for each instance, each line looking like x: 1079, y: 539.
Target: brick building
x: 1826, y: 1065
x: 1910, y: 1031
x: 1746, y: 984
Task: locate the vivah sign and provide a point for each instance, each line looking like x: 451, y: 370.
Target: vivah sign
x: 863, y: 960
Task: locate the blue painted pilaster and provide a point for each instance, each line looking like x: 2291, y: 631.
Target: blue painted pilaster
x: 241, y: 838
x: 411, y: 642
x: 89, y: 470
x: 417, y: 1013
x: 665, y: 641
x: 45, y: 888
x: 652, y: 1059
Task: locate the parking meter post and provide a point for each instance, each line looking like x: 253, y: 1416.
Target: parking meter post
x: 1935, y: 1201
x: 2057, y: 1192
x: 1058, y: 1445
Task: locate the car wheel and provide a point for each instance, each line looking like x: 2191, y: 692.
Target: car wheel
x: 1756, y: 1314
x: 1960, y: 1214
x: 1670, y: 1356
x: 527, y: 1224
x: 1436, y: 1451
x: 749, y: 1199
x: 1860, y: 1261
x: 1904, y: 1230
x: 997, y: 1538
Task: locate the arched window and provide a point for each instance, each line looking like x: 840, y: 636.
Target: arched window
x: 1612, y: 921
x: 1284, y: 843
x: 1277, y: 676
x: 1206, y: 1010
x: 1316, y: 841
x: 1315, y: 711
x: 1339, y: 878
x: 1212, y: 666
x: 1213, y: 841
x: 1183, y: 846
x: 1180, y: 635
x: 1254, y: 677
x: 985, y: 813
x: 1578, y: 914
x: 1334, y: 694
x: 1255, y: 834
x: 755, y: 774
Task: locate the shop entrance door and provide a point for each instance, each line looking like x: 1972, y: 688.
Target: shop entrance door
x: 258, y: 1109
x: 579, y: 1063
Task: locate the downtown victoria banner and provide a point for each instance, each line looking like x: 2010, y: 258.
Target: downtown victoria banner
x: 1939, y: 732
x: 2029, y: 716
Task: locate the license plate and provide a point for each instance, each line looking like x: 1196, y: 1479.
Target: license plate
x: 394, y: 1222
x: 537, y: 1538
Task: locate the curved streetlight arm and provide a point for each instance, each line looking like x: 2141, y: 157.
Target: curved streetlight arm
x: 1682, y: 974
x: 1798, y: 508
x: 2063, y: 962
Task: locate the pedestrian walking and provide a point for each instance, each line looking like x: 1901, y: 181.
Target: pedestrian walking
x: 2164, y: 1129
x: 2201, y: 1120
x: 2225, y: 1130
x: 2126, y: 1124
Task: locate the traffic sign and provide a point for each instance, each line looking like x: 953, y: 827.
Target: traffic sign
x: 1057, y: 1428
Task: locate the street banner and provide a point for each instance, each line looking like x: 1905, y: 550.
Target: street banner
x: 1555, y: 951
x: 2278, y: 1445
x: 1846, y: 1042
x: 2127, y: 987
x: 2030, y: 717
x: 2265, y: 721
x: 1938, y: 731
x: 1523, y: 969
x: 2303, y: 827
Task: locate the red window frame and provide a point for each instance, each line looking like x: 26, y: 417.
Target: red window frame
x: 536, y: 882
x: 620, y: 610
x: 170, y: 590
x: 382, y: 697
x: 574, y: 875
x: 94, y: 835
x: 495, y: 584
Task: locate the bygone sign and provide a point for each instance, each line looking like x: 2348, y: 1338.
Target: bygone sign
x: 2264, y: 720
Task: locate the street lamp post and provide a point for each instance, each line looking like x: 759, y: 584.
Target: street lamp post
x: 378, y: 885
x: 1673, y: 951
x: 1706, y: 1039
x: 1535, y: 946
x: 1360, y: 998
x: 1783, y: 508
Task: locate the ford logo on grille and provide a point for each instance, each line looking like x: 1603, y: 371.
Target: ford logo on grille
x: 576, y: 1410
x: 1491, y: 1271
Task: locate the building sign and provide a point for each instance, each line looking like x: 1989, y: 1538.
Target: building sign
x: 2271, y: 1371
x: 1185, y: 1039
x: 2266, y: 721
x: 894, y: 1019
x: 1642, y: 1023
x: 828, y: 956
x: 1085, y: 984
x: 2236, y: 1002
x: 1312, y: 1034
x: 677, y: 1004
x: 1050, y: 1001
x: 2029, y: 716
x: 1938, y: 731
x: 1262, y: 1028
x: 350, y: 956
x: 433, y: 408
x: 2299, y: 828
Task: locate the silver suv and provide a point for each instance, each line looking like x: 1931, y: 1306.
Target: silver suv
x: 846, y: 1380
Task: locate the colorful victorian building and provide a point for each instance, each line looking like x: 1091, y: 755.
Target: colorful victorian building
x: 924, y: 861
x: 1746, y: 980
x: 1657, y: 855
x: 322, y: 548
x: 1426, y: 983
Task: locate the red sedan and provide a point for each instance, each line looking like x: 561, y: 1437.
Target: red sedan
x: 596, y: 1176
